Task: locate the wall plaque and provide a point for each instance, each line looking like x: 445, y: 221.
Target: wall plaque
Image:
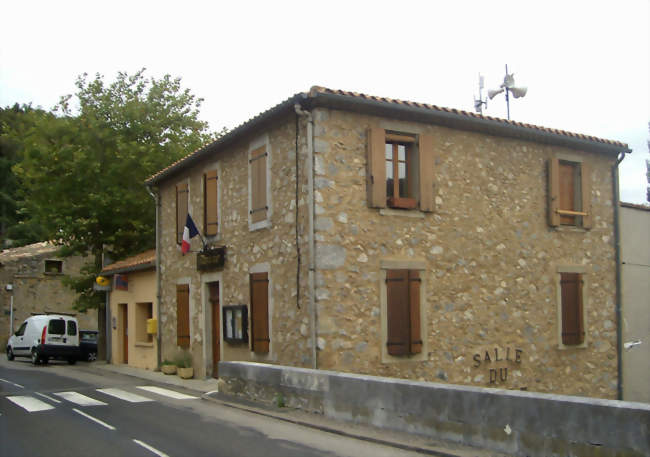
x: 211, y: 259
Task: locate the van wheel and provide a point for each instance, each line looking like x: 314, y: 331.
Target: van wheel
x: 10, y: 353
x: 72, y: 361
x: 35, y: 358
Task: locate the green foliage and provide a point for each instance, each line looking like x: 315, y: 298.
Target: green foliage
x: 81, y: 172
x: 183, y: 360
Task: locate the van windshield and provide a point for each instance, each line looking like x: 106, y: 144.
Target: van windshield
x: 56, y: 327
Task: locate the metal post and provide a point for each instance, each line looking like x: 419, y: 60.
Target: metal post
x: 507, y: 95
x: 11, y: 314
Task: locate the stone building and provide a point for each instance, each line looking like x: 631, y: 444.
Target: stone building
x: 371, y: 235
x: 35, y: 273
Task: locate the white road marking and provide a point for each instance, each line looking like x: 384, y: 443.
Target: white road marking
x: 79, y: 399
x: 102, y: 423
x: 167, y: 393
x: 30, y: 404
x: 150, y: 448
x: 12, y: 383
x: 48, y: 397
x: 124, y: 395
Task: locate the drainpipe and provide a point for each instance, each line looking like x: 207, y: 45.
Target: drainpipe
x: 617, y: 248
x: 312, y: 266
x: 156, y: 198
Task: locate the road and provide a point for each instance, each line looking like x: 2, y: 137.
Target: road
x: 58, y: 410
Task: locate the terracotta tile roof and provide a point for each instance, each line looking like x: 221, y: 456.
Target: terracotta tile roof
x: 643, y: 207
x: 322, y: 96
x: 142, y: 261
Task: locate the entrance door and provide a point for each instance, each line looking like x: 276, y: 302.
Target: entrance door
x: 124, y: 317
x: 213, y: 290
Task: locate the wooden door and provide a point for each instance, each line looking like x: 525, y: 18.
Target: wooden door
x: 124, y: 311
x: 213, y: 289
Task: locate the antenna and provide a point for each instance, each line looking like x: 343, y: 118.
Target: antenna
x: 508, y: 86
x: 478, y: 103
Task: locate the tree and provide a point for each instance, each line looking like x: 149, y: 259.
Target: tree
x: 82, y: 172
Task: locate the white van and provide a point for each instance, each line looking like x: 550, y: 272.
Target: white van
x: 45, y: 336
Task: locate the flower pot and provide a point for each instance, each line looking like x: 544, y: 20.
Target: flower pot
x: 186, y: 373
x: 168, y: 369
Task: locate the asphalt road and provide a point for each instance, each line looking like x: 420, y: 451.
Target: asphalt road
x: 57, y: 410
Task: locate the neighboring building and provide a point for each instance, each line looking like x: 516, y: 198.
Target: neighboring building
x: 133, y: 303
x: 35, y: 273
x: 635, y: 272
x: 371, y: 235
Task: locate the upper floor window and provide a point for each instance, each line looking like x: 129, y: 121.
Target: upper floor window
x: 400, y: 170
x: 570, y: 193
x: 54, y: 266
x: 210, y: 203
x: 182, y: 194
x: 259, y: 198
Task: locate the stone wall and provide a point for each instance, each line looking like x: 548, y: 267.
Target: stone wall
x: 490, y: 255
x: 35, y: 290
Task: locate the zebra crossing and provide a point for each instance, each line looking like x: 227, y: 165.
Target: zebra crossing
x: 43, y: 402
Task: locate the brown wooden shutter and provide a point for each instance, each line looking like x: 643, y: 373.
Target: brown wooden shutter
x: 376, y: 173
x: 397, y: 291
x: 182, y: 192
x: 572, y: 320
x: 259, y: 206
x: 210, y: 203
x: 414, y: 311
x: 183, y: 315
x: 426, y: 172
x: 568, y: 201
x: 553, y: 192
x: 585, y: 182
x: 259, y: 286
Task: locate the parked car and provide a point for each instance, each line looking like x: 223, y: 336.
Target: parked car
x: 88, y: 345
x: 45, y: 336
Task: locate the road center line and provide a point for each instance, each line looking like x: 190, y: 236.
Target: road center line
x: 48, y: 397
x: 12, y: 383
x: 110, y: 427
x: 150, y: 448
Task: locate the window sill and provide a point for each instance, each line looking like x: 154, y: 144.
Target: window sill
x: 259, y: 225
x: 401, y: 212
x: 142, y: 344
x: 569, y: 229
x: 567, y: 347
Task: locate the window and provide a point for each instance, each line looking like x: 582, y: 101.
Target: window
x: 400, y: 170
x: 182, y: 193
x: 259, y: 291
x: 183, y: 315
x: 259, y: 205
x: 56, y: 327
x: 570, y: 193
x: 403, y: 312
x: 143, y: 312
x: 21, y: 330
x: 210, y: 211
x: 54, y: 266
x: 571, y: 290
x: 72, y: 328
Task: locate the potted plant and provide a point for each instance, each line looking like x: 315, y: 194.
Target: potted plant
x: 184, y: 364
x: 168, y: 367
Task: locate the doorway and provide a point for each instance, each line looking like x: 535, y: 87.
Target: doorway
x: 213, y: 298
x: 124, y: 337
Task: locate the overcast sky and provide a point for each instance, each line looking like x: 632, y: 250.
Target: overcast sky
x: 585, y: 63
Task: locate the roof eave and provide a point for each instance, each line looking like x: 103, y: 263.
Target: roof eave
x: 130, y: 269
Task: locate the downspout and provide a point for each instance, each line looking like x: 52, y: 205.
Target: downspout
x: 156, y: 198
x: 617, y: 248
x: 312, y: 264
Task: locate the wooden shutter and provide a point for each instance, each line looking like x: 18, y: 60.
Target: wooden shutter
x: 210, y: 203
x: 426, y: 150
x: 182, y: 192
x: 376, y: 173
x: 398, y: 317
x: 259, y: 206
x: 259, y: 285
x: 572, y: 312
x: 553, y: 192
x: 183, y: 315
x: 585, y: 191
x: 415, y: 340
x: 568, y: 201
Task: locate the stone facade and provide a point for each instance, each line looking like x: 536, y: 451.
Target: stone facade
x: 489, y: 260
x: 35, y: 272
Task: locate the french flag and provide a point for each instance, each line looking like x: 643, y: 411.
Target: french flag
x: 189, y: 232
